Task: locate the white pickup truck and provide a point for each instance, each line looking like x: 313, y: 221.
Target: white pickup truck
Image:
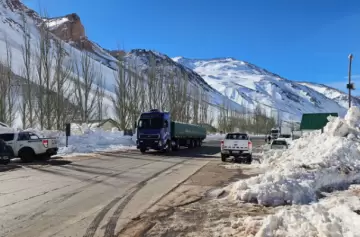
x: 29, y: 146
x: 237, y: 145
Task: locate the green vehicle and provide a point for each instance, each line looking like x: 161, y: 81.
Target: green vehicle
x: 156, y: 131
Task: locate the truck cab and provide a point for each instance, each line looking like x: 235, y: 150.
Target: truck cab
x: 275, y: 133
x: 153, y: 131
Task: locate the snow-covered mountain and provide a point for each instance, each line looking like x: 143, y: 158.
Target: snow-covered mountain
x: 250, y: 85
x: 339, y: 96
x: 70, y: 30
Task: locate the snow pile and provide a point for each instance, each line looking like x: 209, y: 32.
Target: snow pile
x: 214, y: 137
x: 93, y: 140
x: 87, y: 139
x: 336, y: 215
x: 313, y: 163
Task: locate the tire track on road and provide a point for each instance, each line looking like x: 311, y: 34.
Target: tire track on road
x: 111, y: 225
x: 47, y: 205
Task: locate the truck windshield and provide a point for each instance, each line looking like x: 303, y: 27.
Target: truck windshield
x: 151, y: 123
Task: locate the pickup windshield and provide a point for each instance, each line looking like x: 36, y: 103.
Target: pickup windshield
x: 155, y: 123
x: 236, y: 136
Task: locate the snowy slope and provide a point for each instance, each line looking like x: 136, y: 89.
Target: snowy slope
x: 163, y: 62
x: 340, y: 97
x: 250, y: 85
x: 11, y: 31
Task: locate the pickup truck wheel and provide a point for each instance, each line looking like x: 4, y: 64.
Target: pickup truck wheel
x: 27, y: 155
x: 5, y: 162
x: 249, y: 159
x: 223, y: 158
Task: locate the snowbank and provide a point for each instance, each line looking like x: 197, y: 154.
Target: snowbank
x: 214, y: 137
x: 313, y: 163
x: 96, y: 140
x: 336, y: 215
x: 86, y: 139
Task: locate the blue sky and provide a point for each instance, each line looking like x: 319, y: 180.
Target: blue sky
x: 304, y: 40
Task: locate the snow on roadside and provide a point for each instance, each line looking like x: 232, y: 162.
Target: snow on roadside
x: 86, y: 139
x: 313, y: 163
x: 335, y: 215
x: 214, y: 137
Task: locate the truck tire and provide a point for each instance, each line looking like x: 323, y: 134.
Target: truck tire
x: 143, y: 150
x: 223, y: 158
x: 27, y: 154
x: 176, y: 147
x: 168, y: 148
x: 5, y: 162
x: 249, y: 159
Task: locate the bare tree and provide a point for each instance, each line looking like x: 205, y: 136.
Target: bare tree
x: 196, y: 97
x: 121, y: 94
x: 100, y: 95
x: 84, y: 81
x: 137, y: 90
x: 45, y: 95
x: 9, y: 89
x: 27, y: 108
x: 204, y: 107
x: 152, y: 82
x: 160, y: 93
x: 63, y: 109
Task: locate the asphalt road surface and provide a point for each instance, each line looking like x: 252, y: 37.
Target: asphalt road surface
x: 94, y: 195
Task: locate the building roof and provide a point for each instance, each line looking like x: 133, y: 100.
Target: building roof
x: 315, y: 121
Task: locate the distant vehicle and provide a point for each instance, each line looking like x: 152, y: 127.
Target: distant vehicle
x: 156, y: 131
x: 275, y: 133
x: 280, y: 132
x: 29, y: 146
x: 279, y: 144
x: 237, y: 145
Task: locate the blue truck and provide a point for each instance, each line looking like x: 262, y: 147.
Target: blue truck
x: 156, y: 131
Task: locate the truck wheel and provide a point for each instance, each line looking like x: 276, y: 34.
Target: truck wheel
x: 176, y: 147
x: 223, y: 158
x: 142, y: 150
x: 5, y: 162
x: 27, y: 155
x: 249, y: 159
x: 169, y: 147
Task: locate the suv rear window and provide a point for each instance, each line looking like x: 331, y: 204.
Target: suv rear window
x: 236, y: 136
x: 7, y: 136
x: 279, y: 142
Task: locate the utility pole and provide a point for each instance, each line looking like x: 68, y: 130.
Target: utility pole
x: 350, y: 86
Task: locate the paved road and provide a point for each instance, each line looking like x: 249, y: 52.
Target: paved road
x: 91, y: 196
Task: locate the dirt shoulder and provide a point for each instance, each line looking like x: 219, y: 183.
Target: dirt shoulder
x: 190, y: 211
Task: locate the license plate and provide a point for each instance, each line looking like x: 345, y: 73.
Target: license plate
x: 236, y: 152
